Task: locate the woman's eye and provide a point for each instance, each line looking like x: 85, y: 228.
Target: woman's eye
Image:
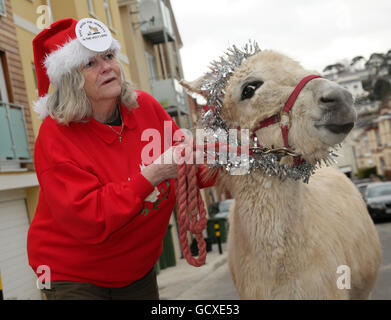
x: 109, y: 56
x: 249, y: 89
x: 90, y: 64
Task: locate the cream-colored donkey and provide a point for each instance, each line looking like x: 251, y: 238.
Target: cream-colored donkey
x: 289, y: 239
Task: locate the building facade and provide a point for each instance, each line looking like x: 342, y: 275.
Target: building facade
x: 367, y: 144
x: 372, y: 144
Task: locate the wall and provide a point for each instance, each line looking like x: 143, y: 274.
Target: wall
x: 134, y: 46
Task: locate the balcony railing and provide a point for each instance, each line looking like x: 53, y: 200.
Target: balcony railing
x: 170, y: 95
x: 14, y: 146
x: 155, y: 20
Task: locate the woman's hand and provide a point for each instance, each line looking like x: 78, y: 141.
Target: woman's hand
x: 165, y: 167
x: 161, y: 169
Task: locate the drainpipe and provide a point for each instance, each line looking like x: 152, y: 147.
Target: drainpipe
x: 163, y: 60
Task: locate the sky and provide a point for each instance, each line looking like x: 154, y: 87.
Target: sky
x: 316, y: 33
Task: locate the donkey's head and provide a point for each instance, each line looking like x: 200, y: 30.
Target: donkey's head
x: 321, y: 116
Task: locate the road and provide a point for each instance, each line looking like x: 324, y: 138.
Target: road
x: 383, y: 285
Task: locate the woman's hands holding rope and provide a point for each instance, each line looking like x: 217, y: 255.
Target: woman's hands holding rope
x: 190, y: 207
x: 166, y: 165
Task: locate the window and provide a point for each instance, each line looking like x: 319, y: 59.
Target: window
x: 13, y: 137
x: 3, y: 11
x: 378, y: 141
x: 151, y: 66
x: 108, y: 15
x: 91, y: 10
x: 3, y: 86
x: 367, y: 148
x: 382, y: 165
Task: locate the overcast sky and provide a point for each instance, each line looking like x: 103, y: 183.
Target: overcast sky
x: 314, y: 32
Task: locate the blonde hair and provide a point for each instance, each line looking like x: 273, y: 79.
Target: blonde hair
x: 69, y: 101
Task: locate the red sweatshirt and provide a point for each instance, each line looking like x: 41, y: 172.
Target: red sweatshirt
x: 98, y: 219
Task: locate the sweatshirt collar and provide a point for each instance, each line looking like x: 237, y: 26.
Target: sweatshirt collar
x: 106, y: 133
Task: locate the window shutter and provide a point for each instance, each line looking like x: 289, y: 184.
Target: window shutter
x: 19, y: 133
x: 5, y: 136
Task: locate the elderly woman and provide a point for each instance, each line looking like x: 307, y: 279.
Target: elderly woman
x: 103, y: 211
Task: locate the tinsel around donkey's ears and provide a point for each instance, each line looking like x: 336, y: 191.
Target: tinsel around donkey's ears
x: 215, y: 81
x: 212, y: 84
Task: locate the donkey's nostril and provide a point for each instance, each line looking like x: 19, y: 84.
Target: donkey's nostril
x: 331, y: 99
x: 327, y: 100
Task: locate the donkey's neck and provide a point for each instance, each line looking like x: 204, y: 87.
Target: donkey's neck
x: 270, y: 212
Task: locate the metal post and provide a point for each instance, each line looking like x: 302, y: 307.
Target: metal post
x: 179, y: 61
x: 163, y: 60
x: 168, y: 49
x: 218, y: 237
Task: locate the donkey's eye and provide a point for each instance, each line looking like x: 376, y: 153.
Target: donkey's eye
x: 249, y: 89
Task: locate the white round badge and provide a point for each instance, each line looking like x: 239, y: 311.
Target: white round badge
x: 93, y: 34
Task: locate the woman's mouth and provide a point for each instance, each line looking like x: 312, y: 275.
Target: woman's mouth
x: 108, y: 81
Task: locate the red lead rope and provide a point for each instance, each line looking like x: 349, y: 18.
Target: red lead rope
x: 191, y: 213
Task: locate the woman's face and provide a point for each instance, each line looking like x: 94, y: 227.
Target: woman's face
x: 102, y: 76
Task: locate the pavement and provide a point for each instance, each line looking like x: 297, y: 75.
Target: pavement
x: 185, y: 282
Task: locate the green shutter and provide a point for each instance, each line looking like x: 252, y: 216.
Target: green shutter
x: 2, y: 8
x: 19, y: 133
x: 5, y: 137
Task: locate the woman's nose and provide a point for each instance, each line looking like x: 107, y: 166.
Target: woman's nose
x: 104, y: 66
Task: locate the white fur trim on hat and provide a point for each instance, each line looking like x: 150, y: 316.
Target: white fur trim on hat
x: 40, y: 107
x: 70, y: 56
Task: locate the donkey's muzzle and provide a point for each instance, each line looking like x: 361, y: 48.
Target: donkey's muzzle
x: 340, y: 128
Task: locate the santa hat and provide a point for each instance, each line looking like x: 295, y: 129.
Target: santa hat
x: 64, y: 46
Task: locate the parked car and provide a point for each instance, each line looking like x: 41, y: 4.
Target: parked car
x: 224, y: 207
x: 362, y: 187
x: 359, y: 181
x: 378, y: 199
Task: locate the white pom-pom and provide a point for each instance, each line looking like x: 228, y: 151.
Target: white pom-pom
x: 41, y: 108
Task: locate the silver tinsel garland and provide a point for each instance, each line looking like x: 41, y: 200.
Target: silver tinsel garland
x: 217, y: 79
x: 261, y: 159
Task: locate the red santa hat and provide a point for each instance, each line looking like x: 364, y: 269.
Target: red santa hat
x: 64, y: 46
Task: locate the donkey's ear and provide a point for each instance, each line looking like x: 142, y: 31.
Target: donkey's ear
x: 194, y: 86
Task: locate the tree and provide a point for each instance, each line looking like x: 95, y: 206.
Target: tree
x: 356, y: 60
x: 334, y: 68
x: 381, y: 89
x: 378, y: 81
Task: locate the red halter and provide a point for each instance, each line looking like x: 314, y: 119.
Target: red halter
x: 284, y: 117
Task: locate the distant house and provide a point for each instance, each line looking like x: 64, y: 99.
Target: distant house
x: 369, y: 142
